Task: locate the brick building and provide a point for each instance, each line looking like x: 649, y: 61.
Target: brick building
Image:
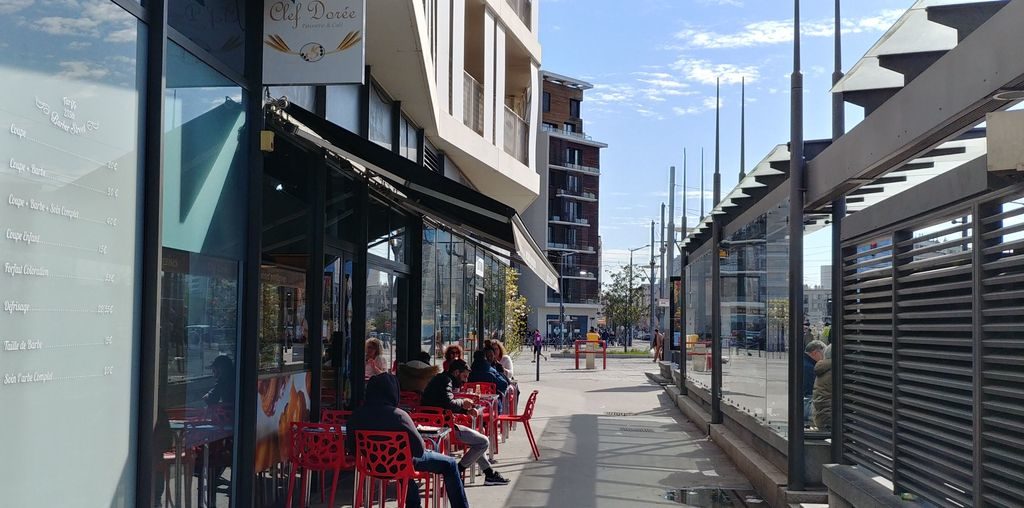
x: 564, y: 219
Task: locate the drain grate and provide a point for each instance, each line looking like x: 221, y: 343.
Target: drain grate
x: 618, y: 413
x: 636, y: 429
x: 715, y: 497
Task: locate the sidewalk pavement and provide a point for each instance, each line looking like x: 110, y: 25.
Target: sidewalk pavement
x: 607, y: 439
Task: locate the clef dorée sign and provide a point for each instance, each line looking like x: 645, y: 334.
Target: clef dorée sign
x: 313, y: 42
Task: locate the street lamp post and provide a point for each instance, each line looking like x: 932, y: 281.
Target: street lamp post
x: 628, y: 340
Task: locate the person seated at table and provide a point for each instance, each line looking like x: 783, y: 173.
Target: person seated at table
x: 493, y: 359
x: 483, y: 371
x: 375, y: 361
x: 452, y: 352
x: 413, y: 376
x: 440, y: 393
x: 503, y: 359
x: 380, y: 412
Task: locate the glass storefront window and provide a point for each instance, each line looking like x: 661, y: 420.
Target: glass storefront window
x: 386, y: 232
x: 431, y: 335
x: 216, y: 26
x: 71, y: 185
x: 284, y: 383
x: 203, y: 225
x: 383, y: 330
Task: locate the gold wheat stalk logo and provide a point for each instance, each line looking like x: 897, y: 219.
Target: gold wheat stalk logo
x: 312, y: 51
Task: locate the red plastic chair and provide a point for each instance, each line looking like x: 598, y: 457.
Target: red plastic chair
x: 316, y: 447
x: 409, y: 398
x: 385, y: 456
x: 335, y: 416
x: 524, y: 419
x: 481, y: 387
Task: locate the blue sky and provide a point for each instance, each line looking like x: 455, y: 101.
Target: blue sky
x: 654, y: 65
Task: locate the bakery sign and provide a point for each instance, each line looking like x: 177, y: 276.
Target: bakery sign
x: 313, y: 42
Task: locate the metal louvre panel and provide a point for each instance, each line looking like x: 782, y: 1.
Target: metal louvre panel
x: 1002, y: 432
x: 935, y: 361
x: 867, y: 355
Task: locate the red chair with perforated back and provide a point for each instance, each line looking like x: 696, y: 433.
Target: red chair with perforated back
x: 385, y: 456
x: 335, y: 416
x: 316, y: 447
x: 524, y: 419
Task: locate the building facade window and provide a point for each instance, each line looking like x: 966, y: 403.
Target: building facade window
x: 547, y: 102
x: 569, y: 127
x: 381, y: 119
x: 343, y: 106
x: 574, y: 108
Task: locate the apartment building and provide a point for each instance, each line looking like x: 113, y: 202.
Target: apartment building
x: 564, y: 218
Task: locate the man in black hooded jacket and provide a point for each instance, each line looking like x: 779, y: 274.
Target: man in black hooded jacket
x: 440, y: 393
x: 381, y: 412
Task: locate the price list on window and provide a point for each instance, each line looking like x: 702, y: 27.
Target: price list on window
x: 67, y: 242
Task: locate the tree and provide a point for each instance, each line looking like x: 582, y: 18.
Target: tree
x: 516, y: 312
x: 624, y: 300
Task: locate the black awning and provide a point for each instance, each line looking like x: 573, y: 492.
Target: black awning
x: 470, y: 212
x: 440, y: 197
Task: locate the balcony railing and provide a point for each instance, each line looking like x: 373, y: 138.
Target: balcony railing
x: 523, y: 9
x: 582, y: 222
x: 473, y: 103
x: 576, y: 193
x: 517, y: 136
x: 582, y: 247
x: 563, y: 132
x: 578, y: 167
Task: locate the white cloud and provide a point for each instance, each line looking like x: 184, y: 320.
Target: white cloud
x: 603, y: 93
x: 707, y: 73
x: 82, y: 70
x: 79, y: 45
x: 762, y: 33
x: 12, y: 6
x: 98, y: 17
x: 124, y: 35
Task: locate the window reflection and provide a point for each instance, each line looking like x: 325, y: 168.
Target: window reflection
x: 382, y: 328
x: 203, y: 223
x: 216, y: 26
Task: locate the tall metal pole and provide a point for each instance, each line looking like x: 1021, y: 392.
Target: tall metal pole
x: 662, y: 285
x: 838, y: 213
x: 628, y: 339
x: 743, y: 129
x: 716, y: 272
x: 651, y: 325
x: 796, y: 265
x: 670, y: 258
x: 561, y: 302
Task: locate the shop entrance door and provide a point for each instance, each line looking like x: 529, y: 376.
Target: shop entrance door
x: 335, y: 386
